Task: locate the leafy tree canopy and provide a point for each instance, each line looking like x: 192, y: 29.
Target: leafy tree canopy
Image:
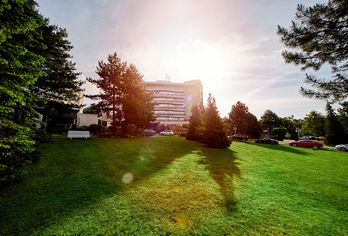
x: 242, y: 121
x: 313, y: 124
x: 269, y: 121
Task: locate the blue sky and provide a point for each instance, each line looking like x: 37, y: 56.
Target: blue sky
x: 231, y: 45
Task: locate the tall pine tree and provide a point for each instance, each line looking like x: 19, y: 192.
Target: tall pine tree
x: 122, y: 94
x: 334, y: 130
x: 137, y: 106
x: 214, y: 134
x: 60, y: 88
x: 111, y: 75
x: 319, y: 35
x: 195, y: 124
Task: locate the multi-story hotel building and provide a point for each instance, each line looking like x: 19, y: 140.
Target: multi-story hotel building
x: 173, y: 101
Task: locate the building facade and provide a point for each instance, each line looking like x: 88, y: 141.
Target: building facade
x: 173, y: 101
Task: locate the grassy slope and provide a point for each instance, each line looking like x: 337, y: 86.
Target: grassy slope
x: 178, y: 187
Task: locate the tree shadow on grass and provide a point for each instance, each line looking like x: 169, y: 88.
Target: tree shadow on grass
x: 223, y: 168
x: 146, y: 157
x: 72, y: 175
x: 279, y: 147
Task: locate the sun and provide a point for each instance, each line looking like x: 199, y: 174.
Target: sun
x: 199, y: 60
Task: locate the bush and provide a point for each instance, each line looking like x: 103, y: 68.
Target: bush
x: 94, y: 129
x: 41, y: 136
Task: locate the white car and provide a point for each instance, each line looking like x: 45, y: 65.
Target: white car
x: 167, y: 132
x: 342, y: 147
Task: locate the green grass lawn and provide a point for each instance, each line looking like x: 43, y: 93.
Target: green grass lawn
x: 168, y: 185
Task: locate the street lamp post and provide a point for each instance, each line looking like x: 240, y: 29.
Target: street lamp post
x: 298, y: 130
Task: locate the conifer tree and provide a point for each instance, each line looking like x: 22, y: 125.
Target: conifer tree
x: 319, y: 35
x: 195, y: 125
x: 111, y: 75
x: 137, y: 106
x: 214, y: 134
x: 122, y: 94
x: 334, y: 130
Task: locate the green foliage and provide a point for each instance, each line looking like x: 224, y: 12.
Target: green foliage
x: 60, y: 83
x: 214, y: 134
x: 313, y: 124
x: 195, y: 125
x: 35, y: 74
x: 122, y: 94
x: 238, y: 118
x: 60, y: 88
x: 242, y: 121
x: 94, y: 129
x: 137, y: 106
x: 333, y: 128
x: 287, y: 128
x: 92, y: 109
x: 319, y: 36
x: 207, y: 126
x: 269, y: 121
x: 343, y: 117
x: 254, y: 129
x: 20, y: 68
x: 132, y: 130
x: 111, y: 76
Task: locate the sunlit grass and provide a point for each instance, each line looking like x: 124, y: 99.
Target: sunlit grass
x: 162, y: 185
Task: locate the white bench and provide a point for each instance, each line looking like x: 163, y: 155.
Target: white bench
x: 78, y: 134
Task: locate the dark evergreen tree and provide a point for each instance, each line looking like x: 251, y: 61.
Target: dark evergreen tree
x: 214, y: 134
x: 334, y: 130
x: 61, y: 83
x: 137, y: 106
x: 343, y: 117
x: 195, y: 125
x: 60, y: 88
x: 320, y: 35
x: 20, y: 68
x: 122, y: 94
x: 92, y: 109
x: 111, y: 75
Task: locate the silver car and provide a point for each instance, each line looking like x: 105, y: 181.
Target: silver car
x: 167, y: 132
x: 342, y: 147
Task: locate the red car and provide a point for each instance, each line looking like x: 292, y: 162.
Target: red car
x: 306, y: 143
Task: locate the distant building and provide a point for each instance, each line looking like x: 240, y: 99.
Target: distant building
x: 173, y: 101
x: 84, y: 119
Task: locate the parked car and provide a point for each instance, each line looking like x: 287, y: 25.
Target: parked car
x: 149, y: 132
x: 306, y: 143
x: 309, y: 138
x: 167, y: 132
x: 342, y: 147
x: 267, y: 141
x: 239, y: 137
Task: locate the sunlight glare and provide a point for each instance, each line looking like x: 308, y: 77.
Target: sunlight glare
x: 199, y: 60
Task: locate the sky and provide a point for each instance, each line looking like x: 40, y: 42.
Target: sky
x: 230, y: 45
